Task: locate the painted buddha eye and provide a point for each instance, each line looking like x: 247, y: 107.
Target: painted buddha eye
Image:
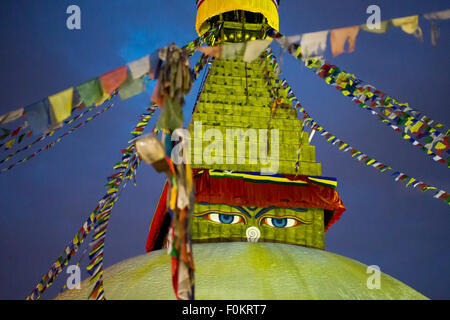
x: 224, y: 218
x: 280, y: 222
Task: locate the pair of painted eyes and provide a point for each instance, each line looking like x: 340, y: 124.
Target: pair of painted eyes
x: 235, y: 219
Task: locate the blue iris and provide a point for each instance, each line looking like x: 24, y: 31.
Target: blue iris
x: 226, y: 218
x: 279, y: 223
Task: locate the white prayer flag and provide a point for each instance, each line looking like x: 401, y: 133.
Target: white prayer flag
x: 314, y: 44
x: 10, y: 117
x: 254, y: 49
x: 140, y: 67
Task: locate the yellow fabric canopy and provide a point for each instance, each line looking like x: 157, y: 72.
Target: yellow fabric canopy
x: 210, y: 8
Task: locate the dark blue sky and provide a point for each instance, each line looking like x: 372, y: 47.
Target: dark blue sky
x: 44, y: 202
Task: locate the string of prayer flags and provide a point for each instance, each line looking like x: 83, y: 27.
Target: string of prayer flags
x: 63, y: 260
x: 44, y: 136
x: 250, y: 50
x: 409, y: 25
x: 358, y: 155
x: 49, y: 146
x: 48, y: 132
x: 97, y: 90
x: 411, y: 124
x: 314, y: 44
x: 340, y: 37
x: 126, y: 171
x: 99, y: 216
x: 430, y: 136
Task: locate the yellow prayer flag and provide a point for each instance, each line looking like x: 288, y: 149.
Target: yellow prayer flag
x: 62, y: 104
x: 409, y: 25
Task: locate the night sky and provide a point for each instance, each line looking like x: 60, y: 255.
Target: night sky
x: 44, y: 202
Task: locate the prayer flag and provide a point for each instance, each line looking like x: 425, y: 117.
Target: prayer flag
x: 38, y: 115
x: 113, y: 79
x: 231, y: 51
x: 409, y: 25
x: 11, y: 116
x: 140, y: 67
x: 90, y: 92
x: 215, y: 52
x: 254, y: 49
x: 131, y: 87
x: 339, y: 37
x: 314, y: 44
x: 61, y: 104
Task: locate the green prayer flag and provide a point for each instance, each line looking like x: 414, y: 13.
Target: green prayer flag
x: 90, y: 92
x: 131, y: 87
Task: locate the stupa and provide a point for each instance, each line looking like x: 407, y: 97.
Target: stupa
x: 262, y: 206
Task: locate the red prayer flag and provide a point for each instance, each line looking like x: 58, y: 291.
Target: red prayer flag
x: 113, y: 79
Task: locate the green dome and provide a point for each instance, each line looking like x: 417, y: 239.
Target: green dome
x: 248, y: 271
